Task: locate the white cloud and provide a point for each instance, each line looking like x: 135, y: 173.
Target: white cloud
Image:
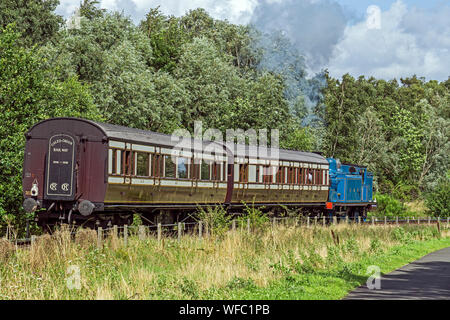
x: 236, y: 11
x: 410, y: 41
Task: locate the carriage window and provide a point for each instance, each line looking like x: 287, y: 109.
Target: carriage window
x: 195, y: 169
x: 267, y: 174
x: 281, y: 175
x: 169, y: 167
x: 243, y: 172
x: 216, y: 171
x: 309, y: 176
x: 204, y: 171
x: 291, y: 176
x: 142, y: 165
x: 157, y: 164
x: 258, y: 173
x: 114, y: 162
x: 127, y: 162
x: 182, y: 168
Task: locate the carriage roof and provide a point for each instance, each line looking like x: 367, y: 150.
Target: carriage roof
x: 121, y: 133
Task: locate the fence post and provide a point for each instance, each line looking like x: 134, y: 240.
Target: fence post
x: 438, y: 219
x: 99, y: 237
x: 359, y: 219
x: 159, y: 232
x: 248, y: 226
x: 407, y: 220
x: 385, y: 220
x: 179, y: 231
x: 315, y: 221
x: 396, y: 220
x: 200, y: 229
x: 448, y: 220
x: 28, y: 228
x: 33, y: 240
x: 346, y: 219
x: 307, y: 222
x: 233, y: 225
x: 115, y: 231
x: 141, y: 232
x: 125, y: 235
x: 373, y: 221
x: 323, y: 221
x: 418, y: 220
x: 334, y: 220
x: 429, y: 220
x: 207, y: 229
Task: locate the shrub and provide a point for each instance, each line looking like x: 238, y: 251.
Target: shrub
x: 216, y: 218
x: 438, y: 200
x: 257, y: 218
x: 389, y: 206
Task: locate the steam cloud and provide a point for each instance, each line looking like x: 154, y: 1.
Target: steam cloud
x: 314, y: 27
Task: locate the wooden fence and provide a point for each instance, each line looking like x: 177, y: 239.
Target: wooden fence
x: 201, y: 228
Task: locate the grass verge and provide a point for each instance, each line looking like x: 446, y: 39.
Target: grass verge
x: 285, y: 262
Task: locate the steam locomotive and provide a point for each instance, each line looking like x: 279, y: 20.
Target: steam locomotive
x: 96, y: 174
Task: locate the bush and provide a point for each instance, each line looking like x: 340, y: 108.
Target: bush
x: 216, y: 218
x: 389, y: 206
x: 438, y: 200
x: 257, y: 218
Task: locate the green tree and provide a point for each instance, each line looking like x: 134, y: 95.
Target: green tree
x: 28, y: 93
x: 34, y: 19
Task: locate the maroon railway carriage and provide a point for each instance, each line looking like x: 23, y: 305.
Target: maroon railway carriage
x: 97, y: 174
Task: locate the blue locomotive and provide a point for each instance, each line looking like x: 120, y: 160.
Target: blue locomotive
x: 350, y: 192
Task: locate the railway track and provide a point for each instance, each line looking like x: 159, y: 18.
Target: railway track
x: 174, y: 229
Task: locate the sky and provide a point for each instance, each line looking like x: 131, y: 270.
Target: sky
x: 381, y: 38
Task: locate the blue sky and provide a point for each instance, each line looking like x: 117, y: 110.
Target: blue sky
x: 382, y: 38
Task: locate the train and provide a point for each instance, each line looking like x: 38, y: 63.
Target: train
x: 95, y: 174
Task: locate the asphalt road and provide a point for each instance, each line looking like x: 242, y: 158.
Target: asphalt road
x: 427, y: 278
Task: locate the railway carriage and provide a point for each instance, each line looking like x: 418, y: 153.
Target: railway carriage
x: 97, y: 174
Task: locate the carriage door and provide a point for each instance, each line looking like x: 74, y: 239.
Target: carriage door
x: 128, y: 163
x: 60, y: 175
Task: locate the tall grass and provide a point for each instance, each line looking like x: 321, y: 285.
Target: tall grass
x: 220, y: 266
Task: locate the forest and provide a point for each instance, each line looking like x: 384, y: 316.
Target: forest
x: 166, y: 72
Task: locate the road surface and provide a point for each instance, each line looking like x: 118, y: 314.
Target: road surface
x: 426, y: 278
